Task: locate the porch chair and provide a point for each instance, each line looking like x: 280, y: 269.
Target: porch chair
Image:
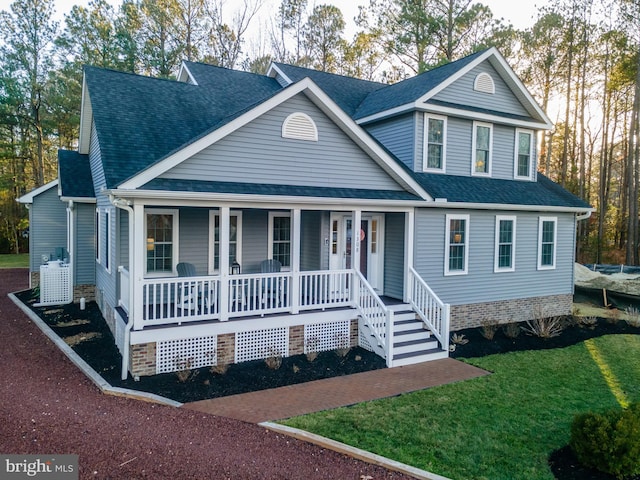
x: 271, y: 288
x: 188, y: 294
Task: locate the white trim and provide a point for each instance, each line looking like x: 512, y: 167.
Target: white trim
x: 486, y: 117
x: 484, y: 83
x: 106, y: 257
x: 175, y: 250
x: 473, y: 149
x: 447, y: 244
x: 98, y: 233
x: 272, y: 215
x: 78, y: 199
x: 185, y: 75
x: 274, y: 71
x: 28, y: 197
x: 425, y: 147
x: 496, y: 258
x: 322, y: 101
x: 86, y: 119
x: 516, y: 153
x: 542, y: 220
x: 300, y: 126
x: 211, y: 261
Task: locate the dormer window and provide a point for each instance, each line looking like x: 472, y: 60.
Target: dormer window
x: 300, y: 126
x: 484, y: 83
x: 523, y: 154
x: 435, y: 134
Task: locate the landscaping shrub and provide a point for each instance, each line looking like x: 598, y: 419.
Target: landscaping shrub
x: 608, y: 441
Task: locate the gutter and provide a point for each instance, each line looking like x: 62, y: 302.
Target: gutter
x: 584, y: 216
x: 126, y: 205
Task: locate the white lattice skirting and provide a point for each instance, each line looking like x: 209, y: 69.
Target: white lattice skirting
x: 176, y: 355
x: 322, y: 337
x: 55, y: 284
x: 259, y: 344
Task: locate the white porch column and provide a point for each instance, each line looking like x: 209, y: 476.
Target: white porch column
x: 224, y: 262
x: 295, y: 260
x: 409, y: 218
x: 136, y: 265
x: 356, y: 225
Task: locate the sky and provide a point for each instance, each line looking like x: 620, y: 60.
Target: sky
x: 520, y: 14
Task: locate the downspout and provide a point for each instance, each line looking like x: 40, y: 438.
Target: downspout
x: 126, y: 205
x: 70, y: 244
x: 584, y: 216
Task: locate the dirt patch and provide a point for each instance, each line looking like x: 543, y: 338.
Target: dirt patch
x: 77, y: 339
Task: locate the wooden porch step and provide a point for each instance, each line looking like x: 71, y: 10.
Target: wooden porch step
x: 413, y: 334
x: 410, y: 346
x: 419, y: 356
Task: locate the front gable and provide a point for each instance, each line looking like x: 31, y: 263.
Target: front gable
x: 263, y: 152
x: 249, y: 147
x: 472, y: 91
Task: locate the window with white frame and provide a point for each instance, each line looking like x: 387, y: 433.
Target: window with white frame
x: 280, y: 238
x: 106, y: 254
x: 435, y: 134
x: 505, y: 249
x: 547, y: 240
x: 456, y: 245
x: 161, y: 234
x: 482, y: 146
x: 235, y: 240
x: 523, y: 154
x: 98, y: 233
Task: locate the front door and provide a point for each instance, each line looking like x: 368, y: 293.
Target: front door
x: 371, y: 247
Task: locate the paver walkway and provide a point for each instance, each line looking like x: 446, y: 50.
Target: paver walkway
x: 293, y: 400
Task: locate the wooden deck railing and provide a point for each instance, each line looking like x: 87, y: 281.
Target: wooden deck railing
x: 433, y: 311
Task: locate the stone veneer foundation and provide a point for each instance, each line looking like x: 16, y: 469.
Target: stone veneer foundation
x: 142, y: 357
x: 509, y: 311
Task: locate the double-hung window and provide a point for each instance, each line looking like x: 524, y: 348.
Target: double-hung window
x: 456, y: 245
x: 482, y: 148
x: 435, y: 134
x: 161, y: 233
x: 547, y: 240
x: 505, y: 244
x: 103, y: 229
x: 235, y: 240
x: 523, y: 154
x: 280, y: 238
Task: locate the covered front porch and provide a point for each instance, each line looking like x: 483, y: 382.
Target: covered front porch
x: 253, y: 268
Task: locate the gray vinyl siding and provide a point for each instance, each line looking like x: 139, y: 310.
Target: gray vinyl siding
x: 47, y: 228
x: 481, y: 284
x: 398, y: 135
x: 193, y: 238
x: 461, y: 92
x: 311, y: 240
x: 105, y: 279
x: 254, y: 239
x: 394, y: 255
x: 257, y: 153
x: 85, y: 247
x: 124, y: 238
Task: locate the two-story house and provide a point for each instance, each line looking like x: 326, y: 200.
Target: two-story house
x: 239, y: 215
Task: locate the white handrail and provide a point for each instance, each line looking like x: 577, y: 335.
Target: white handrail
x: 433, y: 311
x: 125, y: 279
x: 375, y: 315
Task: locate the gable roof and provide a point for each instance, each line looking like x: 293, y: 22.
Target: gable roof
x: 347, y: 92
x: 140, y: 120
x: 74, y: 173
x: 28, y: 198
x: 483, y: 190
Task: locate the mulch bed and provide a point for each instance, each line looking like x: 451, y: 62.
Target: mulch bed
x: 100, y: 352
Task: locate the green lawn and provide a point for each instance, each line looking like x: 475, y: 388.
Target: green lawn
x: 14, y: 261
x: 502, y: 426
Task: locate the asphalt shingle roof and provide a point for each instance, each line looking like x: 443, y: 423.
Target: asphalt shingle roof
x: 202, y: 186
x: 140, y: 120
x: 477, y: 190
x: 74, y: 172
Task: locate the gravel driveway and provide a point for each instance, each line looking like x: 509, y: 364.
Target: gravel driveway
x: 48, y: 406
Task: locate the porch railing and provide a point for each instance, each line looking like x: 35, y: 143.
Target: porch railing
x: 178, y: 300
x: 186, y: 299
x: 433, y: 311
x: 125, y: 283
x: 375, y: 315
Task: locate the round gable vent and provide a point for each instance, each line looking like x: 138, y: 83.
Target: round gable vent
x: 300, y: 126
x: 484, y: 83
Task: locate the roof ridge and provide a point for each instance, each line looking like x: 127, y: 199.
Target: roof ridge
x: 322, y: 72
